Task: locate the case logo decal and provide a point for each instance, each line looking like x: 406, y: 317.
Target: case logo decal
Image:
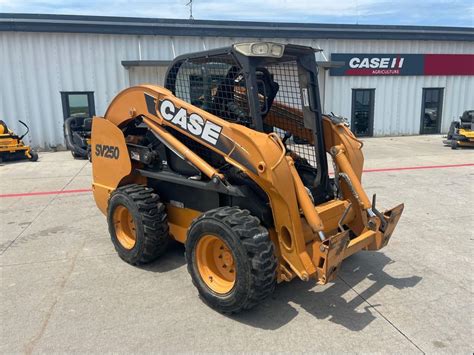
x: 193, y: 123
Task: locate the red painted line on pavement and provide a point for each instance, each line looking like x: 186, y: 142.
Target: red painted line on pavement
x: 60, y: 192
x: 417, y: 168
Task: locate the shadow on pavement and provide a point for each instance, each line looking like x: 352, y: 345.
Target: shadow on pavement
x: 323, y: 302
x: 14, y: 161
x: 327, y: 302
x: 173, y: 259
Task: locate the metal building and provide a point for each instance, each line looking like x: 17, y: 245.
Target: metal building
x: 388, y: 80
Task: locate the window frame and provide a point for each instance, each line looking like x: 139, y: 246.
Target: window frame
x: 371, y: 118
x: 440, y: 91
x: 66, y: 105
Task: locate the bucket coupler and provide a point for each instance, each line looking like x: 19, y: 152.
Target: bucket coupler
x: 375, y: 227
x: 329, y: 254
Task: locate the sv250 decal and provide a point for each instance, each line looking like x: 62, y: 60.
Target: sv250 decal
x: 107, y: 151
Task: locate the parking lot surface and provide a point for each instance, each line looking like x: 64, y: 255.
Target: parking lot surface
x: 64, y: 289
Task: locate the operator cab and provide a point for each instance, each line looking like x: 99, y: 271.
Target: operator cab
x: 265, y: 86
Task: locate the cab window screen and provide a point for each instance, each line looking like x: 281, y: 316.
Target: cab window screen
x: 285, y: 113
x: 214, y: 84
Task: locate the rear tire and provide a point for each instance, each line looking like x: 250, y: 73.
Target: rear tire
x: 251, y: 259
x: 34, y: 156
x: 138, y: 224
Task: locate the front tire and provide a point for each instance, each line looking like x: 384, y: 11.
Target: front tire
x: 231, y: 259
x: 138, y: 224
x: 33, y: 156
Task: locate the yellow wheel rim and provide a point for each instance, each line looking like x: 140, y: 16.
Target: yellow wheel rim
x: 124, y: 227
x: 215, y: 263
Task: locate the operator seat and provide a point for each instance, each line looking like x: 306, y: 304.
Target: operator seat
x: 226, y: 99
x: 467, y: 119
x: 6, y: 131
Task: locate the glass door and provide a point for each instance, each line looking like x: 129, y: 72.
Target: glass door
x: 362, y: 123
x: 432, y: 104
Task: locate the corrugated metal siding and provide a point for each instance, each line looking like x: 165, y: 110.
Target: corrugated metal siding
x: 36, y: 67
x: 147, y: 75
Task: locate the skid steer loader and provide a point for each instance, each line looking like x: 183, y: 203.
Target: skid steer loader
x: 231, y: 159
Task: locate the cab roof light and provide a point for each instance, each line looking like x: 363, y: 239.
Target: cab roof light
x: 260, y: 49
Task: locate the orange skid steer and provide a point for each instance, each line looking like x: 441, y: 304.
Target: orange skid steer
x: 231, y: 159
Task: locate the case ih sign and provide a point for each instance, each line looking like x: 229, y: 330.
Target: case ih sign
x: 403, y: 64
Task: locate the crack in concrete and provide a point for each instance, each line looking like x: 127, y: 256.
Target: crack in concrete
x: 29, y: 347
x: 381, y: 314
x: 41, y: 211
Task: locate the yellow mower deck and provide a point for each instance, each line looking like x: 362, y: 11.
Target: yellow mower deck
x: 12, y: 147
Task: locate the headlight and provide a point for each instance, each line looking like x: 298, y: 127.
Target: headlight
x: 277, y: 50
x: 260, y: 49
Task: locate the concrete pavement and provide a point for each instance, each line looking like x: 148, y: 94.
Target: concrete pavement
x: 64, y: 289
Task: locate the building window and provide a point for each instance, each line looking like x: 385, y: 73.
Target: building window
x: 78, y: 103
x: 431, y: 110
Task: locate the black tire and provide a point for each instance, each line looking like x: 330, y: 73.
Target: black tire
x: 253, y: 255
x: 34, y: 156
x: 452, y: 130
x: 150, y: 219
x: 78, y: 156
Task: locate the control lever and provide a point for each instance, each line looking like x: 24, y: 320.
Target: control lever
x: 286, y: 137
x: 379, y: 214
x: 343, y: 217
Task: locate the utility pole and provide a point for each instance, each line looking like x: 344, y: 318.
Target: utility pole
x: 190, y: 4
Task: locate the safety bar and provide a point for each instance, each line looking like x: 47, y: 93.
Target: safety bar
x: 183, y: 150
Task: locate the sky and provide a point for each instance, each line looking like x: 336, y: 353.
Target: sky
x: 384, y: 12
